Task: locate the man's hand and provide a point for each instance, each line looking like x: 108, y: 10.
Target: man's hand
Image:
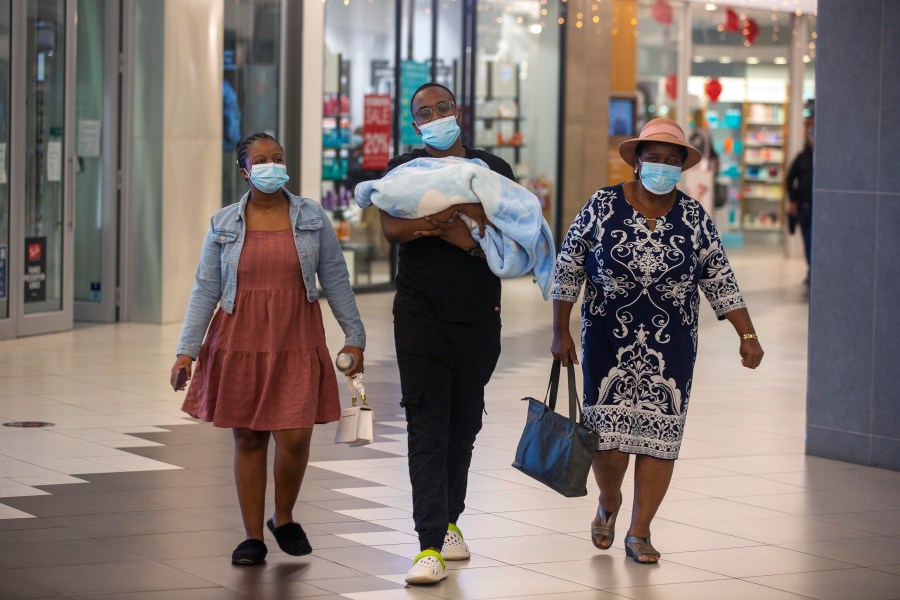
x: 453, y: 231
x: 475, y: 211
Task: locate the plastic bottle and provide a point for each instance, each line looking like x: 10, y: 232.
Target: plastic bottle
x: 344, y: 362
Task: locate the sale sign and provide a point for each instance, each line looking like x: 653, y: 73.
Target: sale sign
x: 376, y: 149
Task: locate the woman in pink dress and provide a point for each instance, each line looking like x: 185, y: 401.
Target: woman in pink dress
x: 263, y: 369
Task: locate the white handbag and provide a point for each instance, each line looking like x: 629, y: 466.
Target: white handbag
x: 357, y: 423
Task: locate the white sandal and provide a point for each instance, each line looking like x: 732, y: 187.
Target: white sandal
x: 455, y: 547
x: 428, y: 567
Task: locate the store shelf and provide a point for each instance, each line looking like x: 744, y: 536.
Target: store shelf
x: 492, y: 126
x: 762, y: 187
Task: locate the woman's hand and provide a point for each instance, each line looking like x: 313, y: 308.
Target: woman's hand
x: 453, y: 231
x: 563, y: 348
x: 751, y: 353
x: 182, y: 362
x: 357, y: 353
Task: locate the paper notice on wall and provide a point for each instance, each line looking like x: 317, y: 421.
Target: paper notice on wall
x: 54, y: 160
x: 88, y: 137
x: 2, y: 163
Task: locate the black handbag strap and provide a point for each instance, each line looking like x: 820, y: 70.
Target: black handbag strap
x: 553, y: 389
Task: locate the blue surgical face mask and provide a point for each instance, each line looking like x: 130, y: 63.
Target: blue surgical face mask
x: 269, y: 177
x: 440, y: 134
x: 658, y: 178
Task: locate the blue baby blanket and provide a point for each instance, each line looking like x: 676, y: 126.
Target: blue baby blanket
x: 521, y: 242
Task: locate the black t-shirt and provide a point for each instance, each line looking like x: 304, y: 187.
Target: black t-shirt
x: 438, y: 279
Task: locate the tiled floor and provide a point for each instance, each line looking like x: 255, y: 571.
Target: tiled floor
x: 126, y: 498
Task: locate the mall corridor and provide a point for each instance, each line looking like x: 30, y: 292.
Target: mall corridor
x: 125, y: 497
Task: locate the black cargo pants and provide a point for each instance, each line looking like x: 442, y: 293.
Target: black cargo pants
x: 443, y: 370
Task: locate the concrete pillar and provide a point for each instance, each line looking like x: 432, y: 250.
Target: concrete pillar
x: 586, y: 109
x: 173, y: 149
x: 853, y: 412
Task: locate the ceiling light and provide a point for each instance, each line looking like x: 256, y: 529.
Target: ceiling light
x: 536, y: 28
x: 699, y: 59
x: 780, y: 60
x: 806, y: 58
x: 725, y: 60
x: 752, y: 60
x: 711, y: 6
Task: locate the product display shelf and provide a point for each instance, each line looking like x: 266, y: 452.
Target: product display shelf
x: 763, y: 167
x: 725, y: 122
x: 498, y: 119
x: 336, y: 126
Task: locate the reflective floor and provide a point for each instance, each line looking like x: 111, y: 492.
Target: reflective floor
x: 124, y: 497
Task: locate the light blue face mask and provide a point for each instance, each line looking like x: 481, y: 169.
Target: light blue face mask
x: 268, y: 178
x: 440, y: 134
x: 658, y: 178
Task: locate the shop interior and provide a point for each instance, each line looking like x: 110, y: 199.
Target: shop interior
x: 736, y: 99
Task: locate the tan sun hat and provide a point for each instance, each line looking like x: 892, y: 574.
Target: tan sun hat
x: 660, y: 130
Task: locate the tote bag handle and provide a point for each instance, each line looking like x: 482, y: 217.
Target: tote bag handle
x: 553, y: 389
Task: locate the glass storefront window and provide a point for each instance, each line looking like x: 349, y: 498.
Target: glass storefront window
x: 360, y: 40
x: 249, y: 83
x: 89, y: 181
x: 516, y: 64
x: 516, y: 60
x: 45, y: 169
x: 657, y: 61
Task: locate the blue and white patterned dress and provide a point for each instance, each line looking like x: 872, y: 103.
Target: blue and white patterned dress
x: 640, y: 313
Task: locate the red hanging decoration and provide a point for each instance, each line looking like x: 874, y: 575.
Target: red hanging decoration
x: 751, y: 30
x: 662, y: 12
x: 732, y: 22
x: 672, y: 86
x: 713, y: 89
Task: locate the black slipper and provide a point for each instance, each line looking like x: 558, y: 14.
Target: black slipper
x: 249, y: 552
x: 290, y: 538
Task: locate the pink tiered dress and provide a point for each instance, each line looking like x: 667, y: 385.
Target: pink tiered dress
x: 265, y: 366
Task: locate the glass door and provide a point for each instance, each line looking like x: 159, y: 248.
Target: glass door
x: 96, y: 160
x: 6, y: 325
x: 43, y: 166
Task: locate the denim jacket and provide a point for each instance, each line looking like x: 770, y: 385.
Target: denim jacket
x: 320, y: 254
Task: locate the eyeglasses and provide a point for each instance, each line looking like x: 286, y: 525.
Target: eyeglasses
x: 442, y: 108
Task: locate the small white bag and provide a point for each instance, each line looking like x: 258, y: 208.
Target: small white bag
x: 357, y: 423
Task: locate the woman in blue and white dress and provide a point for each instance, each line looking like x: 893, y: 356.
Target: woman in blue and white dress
x: 643, y: 251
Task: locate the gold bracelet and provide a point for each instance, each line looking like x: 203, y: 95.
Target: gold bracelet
x: 749, y: 336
